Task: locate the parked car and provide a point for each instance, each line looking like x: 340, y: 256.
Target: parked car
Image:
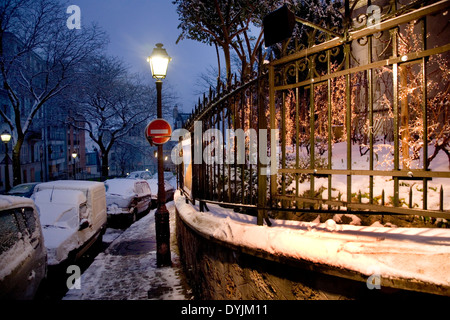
x: 23, y: 258
x: 140, y: 175
x: 73, y: 217
x: 23, y: 190
x: 169, y: 190
x: 129, y: 197
x: 153, y: 183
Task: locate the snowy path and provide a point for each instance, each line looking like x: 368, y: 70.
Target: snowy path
x: 127, y: 269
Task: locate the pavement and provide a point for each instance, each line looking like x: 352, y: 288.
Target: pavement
x: 127, y: 269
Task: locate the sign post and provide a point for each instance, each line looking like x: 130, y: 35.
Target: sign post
x: 157, y: 133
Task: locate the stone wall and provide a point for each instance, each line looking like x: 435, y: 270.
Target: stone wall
x: 216, y: 271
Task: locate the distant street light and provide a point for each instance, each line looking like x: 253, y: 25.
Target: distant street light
x: 74, y: 155
x: 6, y: 137
x: 159, y: 61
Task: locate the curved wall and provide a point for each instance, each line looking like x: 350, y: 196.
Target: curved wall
x: 219, y: 270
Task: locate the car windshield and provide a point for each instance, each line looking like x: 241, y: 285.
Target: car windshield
x: 140, y: 175
x: 22, y: 188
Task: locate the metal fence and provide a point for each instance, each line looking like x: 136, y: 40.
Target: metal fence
x: 354, y: 123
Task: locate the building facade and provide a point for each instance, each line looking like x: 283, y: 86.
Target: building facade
x: 46, y: 153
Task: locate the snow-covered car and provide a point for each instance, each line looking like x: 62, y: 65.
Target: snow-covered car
x: 23, y: 257
x: 169, y: 190
x: 153, y: 183
x: 23, y: 190
x: 140, y: 175
x: 129, y: 197
x: 73, y: 217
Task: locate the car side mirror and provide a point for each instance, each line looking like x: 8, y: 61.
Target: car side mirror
x: 84, y: 223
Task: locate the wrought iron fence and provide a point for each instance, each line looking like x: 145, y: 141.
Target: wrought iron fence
x: 224, y: 127
x: 358, y: 122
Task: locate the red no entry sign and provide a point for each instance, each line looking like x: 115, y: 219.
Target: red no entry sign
x: 158, y: 131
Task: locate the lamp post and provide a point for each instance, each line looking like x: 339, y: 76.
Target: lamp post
x: 6, y: 136
x: 159, y: 60
x: 74, y: 156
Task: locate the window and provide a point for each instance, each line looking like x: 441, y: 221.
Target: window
x: 138, y: 188
x: 29, y: 218
x: 9, y: 230
x: 145, y: 175
x: 145, y: 188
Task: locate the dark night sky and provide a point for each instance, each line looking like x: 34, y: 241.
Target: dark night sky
x: 135, y: 26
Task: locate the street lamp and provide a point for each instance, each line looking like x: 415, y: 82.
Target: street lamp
x: 159, y: 61
x: 74, y: 155
x: 6, y: 137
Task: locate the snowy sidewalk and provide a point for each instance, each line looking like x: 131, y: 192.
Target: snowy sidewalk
x: 127, y: 269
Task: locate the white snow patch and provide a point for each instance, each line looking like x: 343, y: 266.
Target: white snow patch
x: 111, y: 234
x: 383, y: 161
x: 356, y: 221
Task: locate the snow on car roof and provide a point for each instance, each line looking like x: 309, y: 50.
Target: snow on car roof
x: 7, y: 202
x: 121, y: 185
x: 59, y: 196
x: 69, y: 184
x: 136, y: 172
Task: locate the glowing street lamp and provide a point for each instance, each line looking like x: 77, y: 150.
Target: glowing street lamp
x: 6, y: 137
x: 74, y: 155
x: 159, y: 61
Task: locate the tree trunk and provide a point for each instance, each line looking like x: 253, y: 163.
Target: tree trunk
x: 105, y: 170
x: 227, y: 55
x: 404, y: 119
x: 17, y: 174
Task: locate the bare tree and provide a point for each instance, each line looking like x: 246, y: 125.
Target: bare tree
x: 208, y: 79
x: 38, y: 59
x: 109, y: 103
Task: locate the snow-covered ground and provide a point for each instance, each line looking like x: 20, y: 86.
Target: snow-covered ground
x: 383, y: 160
x: 127, y: 269
x: 417, y: 254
